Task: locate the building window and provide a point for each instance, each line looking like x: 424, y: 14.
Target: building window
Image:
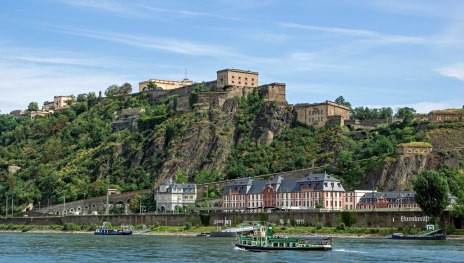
x: 232, y: 76
x: 232, y: 81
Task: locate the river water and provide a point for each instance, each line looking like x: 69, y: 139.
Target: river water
x: 34, y: 247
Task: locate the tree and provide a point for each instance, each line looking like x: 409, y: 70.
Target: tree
x: 431, y: 193
x: 33, y: 106
x: 112, y: 90
x: 385, y: 112
x: 82, y: 97
x: 405, y: 113
x: 125, y: 89
x: 340, y: 100
x: 151, y: 86
x: 181, y: 176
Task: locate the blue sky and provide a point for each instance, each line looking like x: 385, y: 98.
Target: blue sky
x: 374, y: 53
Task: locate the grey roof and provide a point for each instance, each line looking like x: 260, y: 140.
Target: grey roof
x: 316, y: 182
x: 321, y: 182
x: 171, y: 185
x: 241, y: 185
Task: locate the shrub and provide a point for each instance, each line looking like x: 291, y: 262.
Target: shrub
x: 449, y: 229
x: 205, y: 219
x: 71, y: 227
x: 319, y: 225
x: 341, y: 226
x: 188, y: 226
x: 348, y: 218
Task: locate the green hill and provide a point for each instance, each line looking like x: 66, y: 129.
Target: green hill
x: 75, y: 152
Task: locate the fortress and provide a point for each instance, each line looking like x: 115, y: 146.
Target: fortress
x: 230, y: 83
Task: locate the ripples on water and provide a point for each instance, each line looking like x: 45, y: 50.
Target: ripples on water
x: 30, y: 247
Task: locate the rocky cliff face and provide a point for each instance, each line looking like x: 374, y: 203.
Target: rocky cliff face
x: 399, y: 173
x: 271, y: 121
x: 202, y: 139
x: 448, y: 151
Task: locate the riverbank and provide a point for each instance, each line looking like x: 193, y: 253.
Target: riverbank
x: 348, y: 232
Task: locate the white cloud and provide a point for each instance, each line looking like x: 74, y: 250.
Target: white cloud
x: 105, y: 6
x: 359, y: 33
x: 22, y: 84
x: 165, y: 44
x: 453, y: 71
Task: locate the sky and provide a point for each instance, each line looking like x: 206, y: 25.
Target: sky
x: 382, y: 53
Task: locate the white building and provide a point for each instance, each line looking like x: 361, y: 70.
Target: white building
x: 170, y: 195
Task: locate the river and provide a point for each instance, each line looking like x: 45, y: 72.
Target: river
x: 35, y: 247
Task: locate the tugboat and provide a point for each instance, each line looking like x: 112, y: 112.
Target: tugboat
x: 263, y: 239
x: 104, y: 229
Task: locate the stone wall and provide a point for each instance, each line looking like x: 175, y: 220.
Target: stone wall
x: 273, y: 92
x: 363, y: 219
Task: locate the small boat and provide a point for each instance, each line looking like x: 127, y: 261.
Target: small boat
x: 105, y: 229
x: 440, y: 236
x: 263, y: 239
x: 204, y: 234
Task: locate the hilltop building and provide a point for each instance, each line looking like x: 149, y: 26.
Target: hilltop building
x: 318, y: 114
x: 61, y: 102
x: 237, y: 77
x: 165, y: 84
x: 48, y: 106
x: 414, y: 148
x: 18, y: 112
x: 447, y: 115
x: 170, y: 195
x: 280, y: 193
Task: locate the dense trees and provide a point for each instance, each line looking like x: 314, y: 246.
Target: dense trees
x: 75, y: 151
x: 431, y: 193
x: 364, y: 113
x: 340, y: 100
x: 115, y: 90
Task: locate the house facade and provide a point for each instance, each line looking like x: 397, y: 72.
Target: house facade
x: 61, y: 102
x: 447, y: 115
x: 393, y: 200
x: 170, y: 195
x: 414, y: 148
x: 317, y: 114
x: 314, y: 190
x: 165, y: 84
x: 237, y: 77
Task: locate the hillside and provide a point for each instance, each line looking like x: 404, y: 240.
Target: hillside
x: 75, y: 153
